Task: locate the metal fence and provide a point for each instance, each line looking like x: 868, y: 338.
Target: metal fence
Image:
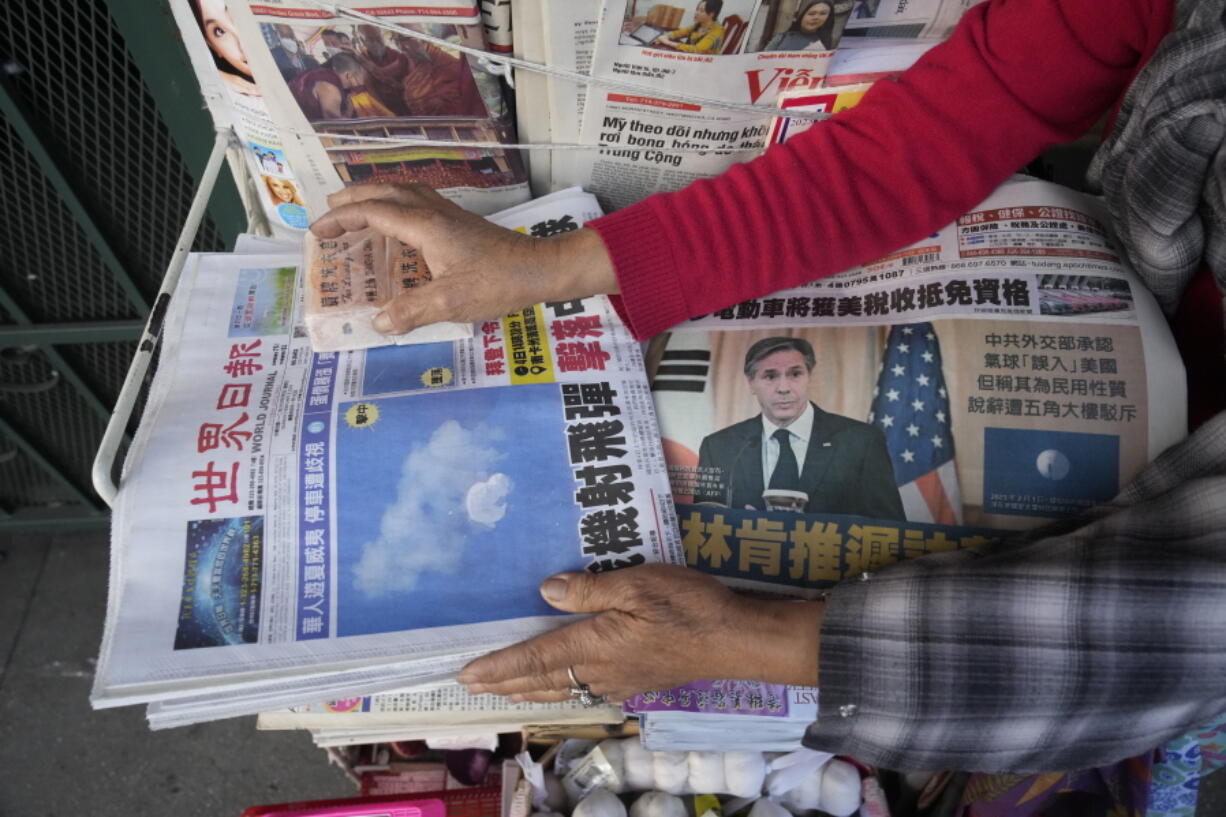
x: 93, y: 191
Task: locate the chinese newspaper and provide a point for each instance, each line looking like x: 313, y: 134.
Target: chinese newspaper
x: 1004, y: 372
x: 294, y: 522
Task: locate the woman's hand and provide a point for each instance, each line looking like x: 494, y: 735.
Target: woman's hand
x: 480, y: 271
x: 656, y: 626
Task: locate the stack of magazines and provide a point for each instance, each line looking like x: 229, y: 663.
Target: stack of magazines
x: 296, y: 527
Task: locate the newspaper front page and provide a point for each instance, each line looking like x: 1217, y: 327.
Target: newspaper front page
x: 653, y: 143
x: 291, y: 514
x: 357, y: 81
x: 750, y: 53
x: 1006, y: 371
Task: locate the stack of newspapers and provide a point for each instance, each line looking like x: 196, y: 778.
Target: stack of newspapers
x: 444, y: 712
x: 296, y: 527
x: 326, y: 533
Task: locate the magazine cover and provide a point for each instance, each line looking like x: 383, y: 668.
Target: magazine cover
x: 219, y: 58
x: 352, y: 97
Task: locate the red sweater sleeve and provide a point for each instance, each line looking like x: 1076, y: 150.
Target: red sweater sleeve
x: 1016, y: 77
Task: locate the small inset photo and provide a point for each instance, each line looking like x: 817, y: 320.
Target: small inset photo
x: 1083, y: 295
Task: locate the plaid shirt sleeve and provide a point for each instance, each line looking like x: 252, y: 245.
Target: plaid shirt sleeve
x: 1071, y: 647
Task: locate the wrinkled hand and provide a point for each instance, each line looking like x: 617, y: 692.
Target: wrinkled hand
x: 656, y: 626
x: 480, y: 271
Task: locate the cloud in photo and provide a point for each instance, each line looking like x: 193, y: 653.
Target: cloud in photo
x: 426, y: 528
x: 486, y: 502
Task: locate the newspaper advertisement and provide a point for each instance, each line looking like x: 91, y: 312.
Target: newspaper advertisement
x: 911, y: 19
x: 1005, y: 371
x: 290, y: 513
x: 352, y: 98
x: 219, y: 59
x: 831, y: 99
x: 655, y: 143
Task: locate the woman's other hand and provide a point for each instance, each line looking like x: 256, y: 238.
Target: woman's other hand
x: 480, y: 271
x: 654, y: 627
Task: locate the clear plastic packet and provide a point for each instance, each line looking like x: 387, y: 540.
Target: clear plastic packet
x: 350, y: 279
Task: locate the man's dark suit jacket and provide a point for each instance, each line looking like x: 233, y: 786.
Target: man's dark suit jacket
x: 847, y: 467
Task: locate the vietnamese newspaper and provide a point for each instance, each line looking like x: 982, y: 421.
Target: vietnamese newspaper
x: 691, y: 64
x: 654, y: 143
x: 1006, y: 371
x: 286, y: 515
x: 355, y: 96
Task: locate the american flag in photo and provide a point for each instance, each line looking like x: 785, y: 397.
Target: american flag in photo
x: 911, y: 407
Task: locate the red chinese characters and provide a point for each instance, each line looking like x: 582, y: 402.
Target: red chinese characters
x: 217, y: 482
x: 215, y: 435
x: 581, y: 357
x: 215, y: 485
x: 495, y: 355
x: 583, y: 326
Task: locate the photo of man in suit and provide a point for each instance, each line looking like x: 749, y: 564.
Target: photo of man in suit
x: 841, y: 463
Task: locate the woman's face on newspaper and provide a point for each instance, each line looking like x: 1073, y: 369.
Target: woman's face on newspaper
x: 282, y: 189
x: 221, y: 36
x: 815, y: 17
